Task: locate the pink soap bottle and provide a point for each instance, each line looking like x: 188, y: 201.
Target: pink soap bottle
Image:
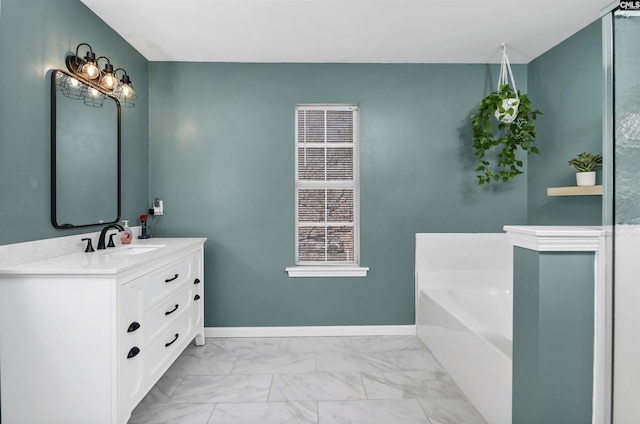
x: 126, y: 235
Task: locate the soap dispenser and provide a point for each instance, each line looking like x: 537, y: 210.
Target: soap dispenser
x: 126, y: 235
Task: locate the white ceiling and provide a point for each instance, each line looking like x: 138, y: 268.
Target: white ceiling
x: 367, y: 31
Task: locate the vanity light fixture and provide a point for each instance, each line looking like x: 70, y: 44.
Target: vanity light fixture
x: 97, y: 83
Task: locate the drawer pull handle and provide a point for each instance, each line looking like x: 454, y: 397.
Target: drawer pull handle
x: 133, y: 327
x: 196, y: 297
x: 172, y: 341
x: 171, y: 279
x: 196, y: 281
x: 133, y: 352
x: 173, y: 310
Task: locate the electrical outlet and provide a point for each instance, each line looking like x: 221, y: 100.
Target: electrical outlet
x: 158, y: 207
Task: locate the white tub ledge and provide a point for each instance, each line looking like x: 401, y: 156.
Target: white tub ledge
x: 556, y: 238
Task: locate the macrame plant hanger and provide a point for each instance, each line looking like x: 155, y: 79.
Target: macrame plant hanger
x: 508, y: 111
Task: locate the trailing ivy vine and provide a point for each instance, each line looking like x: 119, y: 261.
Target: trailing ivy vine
x: 506, y: 140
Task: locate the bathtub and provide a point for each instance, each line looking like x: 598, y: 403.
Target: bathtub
x: 464, y: 307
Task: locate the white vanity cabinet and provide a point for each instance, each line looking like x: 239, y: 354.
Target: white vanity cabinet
x: 84, y: 337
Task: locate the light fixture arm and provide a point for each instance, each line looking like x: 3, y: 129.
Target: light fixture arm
x: 124, y: 71
x: 107, y: 59
x: 84, y: 44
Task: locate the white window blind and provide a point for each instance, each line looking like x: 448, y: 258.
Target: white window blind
x: 327, y: 186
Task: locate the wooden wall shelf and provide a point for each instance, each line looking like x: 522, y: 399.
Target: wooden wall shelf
x: 575, y: 191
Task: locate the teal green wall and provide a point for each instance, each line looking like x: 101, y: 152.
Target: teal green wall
x: 222, y: 159
x: 565, y: 83
x: 35, y: 37
x: 552, y: 337
x: 221, y: 156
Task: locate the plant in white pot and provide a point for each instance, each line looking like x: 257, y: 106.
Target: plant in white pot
x: 586, y: 164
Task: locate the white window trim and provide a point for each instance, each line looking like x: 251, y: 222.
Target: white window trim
x: 327, y: 271
x: 334, y: 269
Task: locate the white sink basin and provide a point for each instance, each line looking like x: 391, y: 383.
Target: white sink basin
x: 134, y: 250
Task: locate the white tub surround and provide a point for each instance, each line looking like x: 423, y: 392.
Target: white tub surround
x: 464, y: 311
x: 561, y: 313
x: 84, y: 336
x: 627, y: 318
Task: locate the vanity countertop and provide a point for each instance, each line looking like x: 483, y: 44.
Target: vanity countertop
x: 110, y: 261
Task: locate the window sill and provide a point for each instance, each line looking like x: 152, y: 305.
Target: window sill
x: 327, y: 271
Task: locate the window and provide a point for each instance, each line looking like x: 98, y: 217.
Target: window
x: 327, y: 191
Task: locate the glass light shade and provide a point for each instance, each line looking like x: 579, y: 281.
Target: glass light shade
x: 109, y: 81
x: 127, y: 90
x: 124, y: 92
x: 90, y: 70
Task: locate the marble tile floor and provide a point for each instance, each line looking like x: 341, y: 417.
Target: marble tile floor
x: 306, y: 380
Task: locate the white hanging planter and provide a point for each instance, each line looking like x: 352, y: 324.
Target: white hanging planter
x: 508, y: 111
x: 586, y: 178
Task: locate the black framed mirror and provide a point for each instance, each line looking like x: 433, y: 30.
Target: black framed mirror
x: 85, y: 154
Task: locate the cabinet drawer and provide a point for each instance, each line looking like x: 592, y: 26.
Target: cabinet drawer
x: 165, y: 349
x: 166, y: 311
x: 158, y: 284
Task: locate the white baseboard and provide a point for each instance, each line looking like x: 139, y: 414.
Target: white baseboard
x: 309, y: 331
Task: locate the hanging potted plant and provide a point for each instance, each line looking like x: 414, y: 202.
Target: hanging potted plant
x: 515, y: 130
x: 586, y: 164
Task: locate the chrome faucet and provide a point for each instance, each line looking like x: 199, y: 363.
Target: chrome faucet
x: 103, y: 235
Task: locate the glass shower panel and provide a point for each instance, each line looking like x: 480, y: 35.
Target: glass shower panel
x: 627, y: 116
x: 626, y: 214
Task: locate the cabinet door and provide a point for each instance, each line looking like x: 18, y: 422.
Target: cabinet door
x: 131, y: 329
x: 197, y: 296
